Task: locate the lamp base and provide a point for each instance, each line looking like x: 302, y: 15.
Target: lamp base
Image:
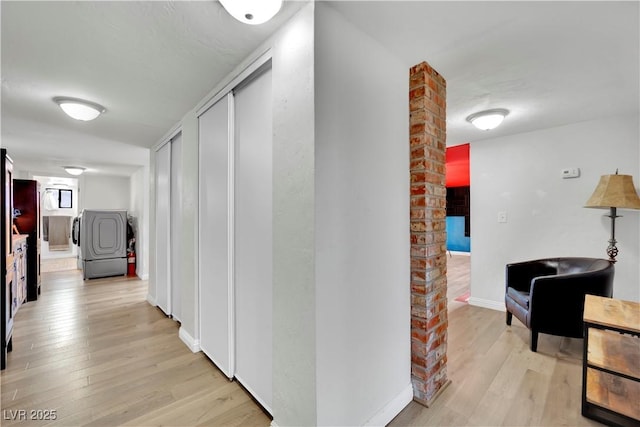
x: 612, y: 250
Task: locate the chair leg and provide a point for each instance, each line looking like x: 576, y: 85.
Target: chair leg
x: 534, y: 341
x: 509, y: 317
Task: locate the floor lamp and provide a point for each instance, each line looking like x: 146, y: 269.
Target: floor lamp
x: 613, y: 192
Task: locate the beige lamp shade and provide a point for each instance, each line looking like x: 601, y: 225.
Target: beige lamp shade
x: 614, y: 191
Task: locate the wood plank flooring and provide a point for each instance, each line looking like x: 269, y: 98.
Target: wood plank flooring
x: 496, y: 379
x: 97, y: 353
x: 458, y: 279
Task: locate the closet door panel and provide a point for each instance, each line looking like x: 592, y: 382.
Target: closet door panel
x: 253, y: 237
x: 216, y: 327
x: 163, y: 230
x: 176, y: 227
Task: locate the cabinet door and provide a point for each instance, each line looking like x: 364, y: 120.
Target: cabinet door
x: 216, y: 236
x: 176, y: 227
x: 163, y: 227
x: 253, y: 234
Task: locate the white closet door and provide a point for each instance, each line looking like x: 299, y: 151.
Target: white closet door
x: 216, y: 239
x: 163, y: 230
x: 253, y: 237
x: 175, y: 285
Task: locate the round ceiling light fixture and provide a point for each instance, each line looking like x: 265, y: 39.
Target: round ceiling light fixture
x: 79, y: 109
x: 74, y: 170
x: 488, y: 119
x: 253, y: 12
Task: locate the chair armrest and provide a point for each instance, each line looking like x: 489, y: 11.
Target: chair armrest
x: 565, y: 292
x: 520, y: 274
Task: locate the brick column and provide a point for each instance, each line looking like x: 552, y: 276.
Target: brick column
x: 427, y: 99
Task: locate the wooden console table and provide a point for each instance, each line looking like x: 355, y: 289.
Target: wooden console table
x: 611, y: 362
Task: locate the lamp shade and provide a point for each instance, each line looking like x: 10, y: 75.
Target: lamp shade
x: 489, y: 119
x: 74, y: 170
x: 253, y: 12
x: 614, y: 191
x: 79, y: 109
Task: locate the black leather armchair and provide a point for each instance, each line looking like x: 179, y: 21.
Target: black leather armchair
x: 547, y: 295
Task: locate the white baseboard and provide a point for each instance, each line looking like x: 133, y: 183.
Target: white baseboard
x: 255, y: 395
x: 151, y: 300
x: 391, y: 409
x: 192, y: 343
x: 460, y: 253
x: 487, y: 303
x: 144, y: 276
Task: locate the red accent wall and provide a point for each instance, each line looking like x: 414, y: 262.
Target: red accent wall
x: 458, y: 166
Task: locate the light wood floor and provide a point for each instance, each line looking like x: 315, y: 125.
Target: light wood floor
x: 496, y: 379
x: 458, y: 279
x: 98, y: 354
x: 58, y: 264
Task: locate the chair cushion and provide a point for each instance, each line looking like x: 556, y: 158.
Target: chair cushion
x: 520, y: 298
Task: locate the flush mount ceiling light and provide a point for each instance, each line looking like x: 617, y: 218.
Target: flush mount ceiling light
x: 489, y: 119
x: 252, y: 12
x: 79, y: 109
x: 74, y: 170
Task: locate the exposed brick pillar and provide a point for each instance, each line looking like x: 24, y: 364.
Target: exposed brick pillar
x: 427, y: 99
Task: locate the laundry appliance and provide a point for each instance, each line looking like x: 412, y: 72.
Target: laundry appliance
x: 102, y: 239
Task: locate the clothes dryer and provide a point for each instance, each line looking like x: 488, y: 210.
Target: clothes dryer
x: 103, y: 243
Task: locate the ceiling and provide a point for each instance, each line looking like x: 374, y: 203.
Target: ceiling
x: 149, y: 63
x: 549, y: 62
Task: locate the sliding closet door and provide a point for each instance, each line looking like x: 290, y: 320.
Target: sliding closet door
x: 163, y: 216
x: 175, y: 285
x: 253, y: 236
x: 216, y: 236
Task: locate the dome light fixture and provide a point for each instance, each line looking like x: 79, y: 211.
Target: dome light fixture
x: 252, y: 12
x: 74, y: 170
x: 79, y: 109
x: 488, y: 119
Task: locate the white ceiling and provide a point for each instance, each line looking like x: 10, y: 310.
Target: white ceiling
x: 148, y: 63
x: 549, y: 62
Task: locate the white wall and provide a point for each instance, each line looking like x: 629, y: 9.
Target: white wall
x: 294, y: 286
x: 520, y: 174
x: 362, y: 225
x: 104, y: 192
x: 139, y: 209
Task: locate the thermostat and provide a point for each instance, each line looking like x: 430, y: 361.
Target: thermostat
x: 570, y: 173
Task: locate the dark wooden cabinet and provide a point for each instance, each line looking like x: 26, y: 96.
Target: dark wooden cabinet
x: 26, y: 198
x: 6, y: 246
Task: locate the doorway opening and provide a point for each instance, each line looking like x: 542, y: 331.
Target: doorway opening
x: 58, y: 207
x: 458, y: 226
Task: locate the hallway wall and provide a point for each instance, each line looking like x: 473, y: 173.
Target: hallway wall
x: 362, y: 226
x: 104, y: 192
